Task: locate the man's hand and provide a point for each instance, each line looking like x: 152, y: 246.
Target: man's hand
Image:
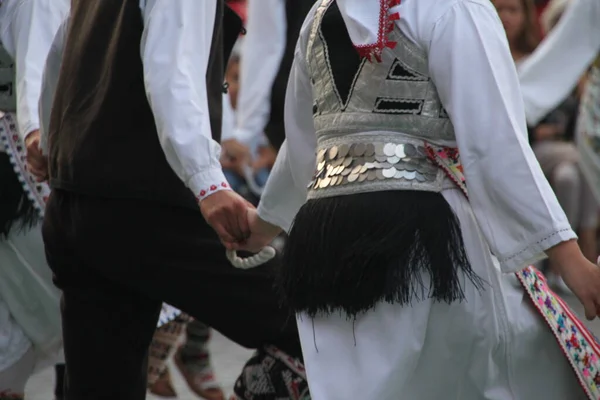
x: 227, y: 213
x: 37, y: 163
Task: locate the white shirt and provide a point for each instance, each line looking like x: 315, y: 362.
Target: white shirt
x: 27, y: 28
x: 261, y: 56
x: 175, y: 49
x: 549, y: 75
x: 472, y: 68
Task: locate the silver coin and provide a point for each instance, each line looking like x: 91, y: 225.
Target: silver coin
x: 381, y: 158
x: 372, y: 175
x: 347, y: 161
x: 420, y: 177
x: 346, y: 171
x: 370, y: 165
x: 363, y: 169
x: 324, y: 183
x: 321, y: 165
x: 384, y: 165
x: 311, y: 184
x: 344, y: 181
x: 321, y: 154
x: 379, y: 149
x: 317, y: 184
x: 422, y: 150
x: 359, y: 149
x: 389, y: 172
x: 343, y: 150
x: 400, y: 151
x: 362, y: 177
x: 379, y: 174
x: 410, y: 150
x: 332, y: 153
x: 356, y: 170
x: 389, y: 149
x: 352, y: 177
x: 370, y: 158
x: 370, y: 150
x: 393, y: 159
x: 410, y: 175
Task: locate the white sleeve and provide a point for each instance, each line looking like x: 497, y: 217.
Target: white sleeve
x: 286, y: 189
x: 28, y: 29
x: 175, y: 50
x: 472, y: 68
x: 262, y: 52
x: 551, y: 73
x: 50, y: 82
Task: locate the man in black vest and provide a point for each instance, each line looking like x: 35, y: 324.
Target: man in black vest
x: 134, y: 166
x: 267, y: 57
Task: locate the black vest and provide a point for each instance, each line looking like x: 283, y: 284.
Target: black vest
x: 102, y: 138
x: 296, y: 12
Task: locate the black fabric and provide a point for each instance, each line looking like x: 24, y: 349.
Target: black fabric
x: 17, y: 213
x: 116, y: 261
x: 103, y: 139
x: 348, y: 253
x: 296, y: 12
x: 344, y: 60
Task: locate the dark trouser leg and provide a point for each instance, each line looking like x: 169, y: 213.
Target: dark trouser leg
x: 59, y: 369
x: 107, y: 328
x: 139, y: 254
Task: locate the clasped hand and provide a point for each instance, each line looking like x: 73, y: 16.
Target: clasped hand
x: 236, y: 222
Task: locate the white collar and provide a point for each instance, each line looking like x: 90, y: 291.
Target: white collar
x: 369, y: 23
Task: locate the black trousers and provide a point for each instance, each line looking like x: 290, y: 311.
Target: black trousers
x: 116, y: 261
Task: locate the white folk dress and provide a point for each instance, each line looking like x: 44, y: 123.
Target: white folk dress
x: 494, y: 345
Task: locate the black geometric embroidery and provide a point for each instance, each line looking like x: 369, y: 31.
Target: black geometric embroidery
x: 386, y: 105
x: 343, y: 61
x: 400, y: 72
x: 444, y: 113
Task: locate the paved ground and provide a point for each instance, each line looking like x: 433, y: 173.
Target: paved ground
x: 228, y: 360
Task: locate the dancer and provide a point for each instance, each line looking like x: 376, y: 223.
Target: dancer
x: 403, y: 111
x: 122, y: 231
x: 554, y: 70
x: 267, y: 57
x: 29, y: 302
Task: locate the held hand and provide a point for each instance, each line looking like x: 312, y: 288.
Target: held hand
x: 262, y: 233
x: 226, y: 212
x: 580, y: 275
x: 37, y: 163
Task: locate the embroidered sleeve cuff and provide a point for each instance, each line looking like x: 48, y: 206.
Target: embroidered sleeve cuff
x: 534, y: 252
x: 203, y: 184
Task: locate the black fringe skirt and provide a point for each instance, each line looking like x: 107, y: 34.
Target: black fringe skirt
x: 348, y: 253
x: 17, y: 212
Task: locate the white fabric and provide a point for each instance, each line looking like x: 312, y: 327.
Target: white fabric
x: 551, y: 73
x: 13, y: 341
x: 27, y: 28
x: 471, y: 65
x: 175, y: 51
x: 261, y: 55
x: 362, y: 18
x: 493, y: 345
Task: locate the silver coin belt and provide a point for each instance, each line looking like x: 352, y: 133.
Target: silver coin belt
x: 349, y: 168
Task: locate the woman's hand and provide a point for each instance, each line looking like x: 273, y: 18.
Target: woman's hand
x: 580, y: 275
x: 262, y: 234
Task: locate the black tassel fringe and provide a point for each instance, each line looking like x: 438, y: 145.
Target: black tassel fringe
x: 348, y: 253
x: 16, y: 209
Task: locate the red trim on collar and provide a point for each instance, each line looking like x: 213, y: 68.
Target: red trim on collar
x: 386, y: 26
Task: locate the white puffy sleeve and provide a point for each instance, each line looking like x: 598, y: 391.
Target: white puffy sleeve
x: 287, y: 187
x: 474, y: 73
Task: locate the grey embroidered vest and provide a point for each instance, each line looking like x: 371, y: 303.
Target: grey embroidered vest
x: 8, y: 96
x: 372, y: 119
